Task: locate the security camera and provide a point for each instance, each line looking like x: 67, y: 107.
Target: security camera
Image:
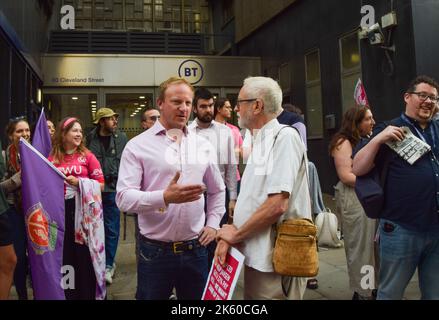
x: 375, y: 38
x: 374, y: 28
x: 375, y: 35
x: 362, y: 33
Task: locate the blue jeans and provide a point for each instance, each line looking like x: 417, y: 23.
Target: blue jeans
x: 401, y: 252
x: 112, y: 226
x: 159, y: 270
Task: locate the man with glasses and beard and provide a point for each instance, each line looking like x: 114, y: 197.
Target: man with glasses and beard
x: 409, y: 219
x: 107, y: 144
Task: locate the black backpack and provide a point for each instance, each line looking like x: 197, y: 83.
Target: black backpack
x: 370, y: 189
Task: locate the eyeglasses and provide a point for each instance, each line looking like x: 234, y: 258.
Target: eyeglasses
x: 16, y: 119
x: 238, y: 102
x: 423, y: 96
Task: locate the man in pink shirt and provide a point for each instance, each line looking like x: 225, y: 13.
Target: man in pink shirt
x: 163, y: 174
x: 223, y: 112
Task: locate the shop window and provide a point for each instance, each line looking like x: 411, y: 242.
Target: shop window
x: 147, y: 12
x: 129, y: 11
x: 149, y: 15
x: 314, y: 113
x: 82, y: 106
x: 117, y: 11
x: 158, y: 10
x: 350, y: 68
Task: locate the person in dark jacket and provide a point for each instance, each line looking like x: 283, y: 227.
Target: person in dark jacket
x: 107, y: 143
x: 8, y: 259
x: 292, y: 119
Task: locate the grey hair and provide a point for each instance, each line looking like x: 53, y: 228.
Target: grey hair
x: 266, y: 89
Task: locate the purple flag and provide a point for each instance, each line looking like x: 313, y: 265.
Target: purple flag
x: 43, y: 207
x: 41, y: 140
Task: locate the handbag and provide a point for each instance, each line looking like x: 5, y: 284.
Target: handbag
x: 369, y: 189
x: 295, y: 248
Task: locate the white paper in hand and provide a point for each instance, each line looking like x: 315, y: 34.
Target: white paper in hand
x: 411, y: 148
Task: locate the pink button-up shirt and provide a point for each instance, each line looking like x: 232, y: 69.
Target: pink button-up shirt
x: 149, y: 162
x: 238, y: 144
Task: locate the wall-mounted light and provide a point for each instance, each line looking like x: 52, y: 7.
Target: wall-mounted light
x: 39, y: 95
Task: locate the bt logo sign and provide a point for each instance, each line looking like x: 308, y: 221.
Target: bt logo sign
x: 191, y: 70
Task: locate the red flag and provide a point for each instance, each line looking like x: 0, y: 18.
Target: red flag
x: 360, y: 96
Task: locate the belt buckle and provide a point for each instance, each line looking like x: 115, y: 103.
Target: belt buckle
x: 174, y: 247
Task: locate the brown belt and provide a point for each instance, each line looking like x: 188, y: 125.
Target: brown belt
x: 175, y: 247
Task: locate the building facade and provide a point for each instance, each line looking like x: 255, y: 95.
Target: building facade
x: 114, y: 53
x: 119, y: 50
x: 314, y: 49
x: 78, y: 84
x: 24, y: 34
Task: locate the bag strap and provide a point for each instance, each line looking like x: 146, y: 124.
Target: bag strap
x: 287, y: 280
x: 302, y: 166
x: 387, y: 159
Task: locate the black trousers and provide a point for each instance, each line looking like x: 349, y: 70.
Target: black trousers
x: 77, y: 256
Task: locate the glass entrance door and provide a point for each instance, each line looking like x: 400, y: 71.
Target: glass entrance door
x: 83, y: 103
x: 129, y: 106
x: 71, y: 104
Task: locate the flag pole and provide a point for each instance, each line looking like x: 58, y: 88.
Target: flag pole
x: 42, y: 157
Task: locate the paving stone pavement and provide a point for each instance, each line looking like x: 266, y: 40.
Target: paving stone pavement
x: 333, y: 283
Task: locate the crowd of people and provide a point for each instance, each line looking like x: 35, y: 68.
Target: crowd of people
x: 181, y: 180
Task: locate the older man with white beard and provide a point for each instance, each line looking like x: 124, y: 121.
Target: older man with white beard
x: 274, y: 168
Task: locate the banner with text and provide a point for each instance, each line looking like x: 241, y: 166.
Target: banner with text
x: 221, y: 281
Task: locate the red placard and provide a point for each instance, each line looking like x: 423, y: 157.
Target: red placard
x: 221, y: 281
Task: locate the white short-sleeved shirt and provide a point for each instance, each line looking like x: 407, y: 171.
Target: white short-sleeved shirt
x: 270, y: 172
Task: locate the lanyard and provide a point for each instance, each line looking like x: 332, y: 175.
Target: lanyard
x: 421, y: 136
x: 405, y: 119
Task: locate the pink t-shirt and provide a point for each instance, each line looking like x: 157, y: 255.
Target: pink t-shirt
x: 80, y: 166
x: 238, y: 143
